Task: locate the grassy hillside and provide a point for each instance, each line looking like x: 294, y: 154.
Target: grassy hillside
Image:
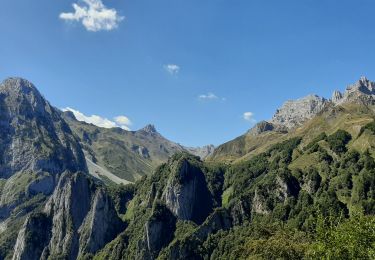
x: 349, y: 117
x: 126, y: 154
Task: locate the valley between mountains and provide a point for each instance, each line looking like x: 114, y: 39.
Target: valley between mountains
x: 298, y: 186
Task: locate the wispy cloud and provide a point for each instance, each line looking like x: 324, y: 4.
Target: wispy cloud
x: 210, y: 96
x: 94, y: 15
x: 172, y: 69
x: 119, y: 121
x: 249, y: 116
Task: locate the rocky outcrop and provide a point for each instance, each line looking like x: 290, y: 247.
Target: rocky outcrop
x: 179, y: 250
x: 295, y: 112
x: 362, y: 91
x: 158, y: 232
x: 336, y: 97
x: 148, y: 129
x: 202, y: 152
x: 23, y: 186
x: 258, y: 204
x: 33, y: 135
x: 218, y: 220
x: 186, y: 192
x: 101, y: 224
x: 240, y: 212
x: 68, y: 206
x: 83, y: 217
x: 261, y: 127
x: 33, y: 237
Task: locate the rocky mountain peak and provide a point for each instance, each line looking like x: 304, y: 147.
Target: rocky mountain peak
x: 150, y: 129
x: 363, y: 85
x: 23, y: 97
x: 33, y: 136
x: 336, y: 96
x: 19, y: 85
x: 295, y: 112
x: 363, y: 90
x: 69, y: 114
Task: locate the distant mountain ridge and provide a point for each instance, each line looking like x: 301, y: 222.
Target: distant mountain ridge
x: 292, y: 115
x: 113, y: 153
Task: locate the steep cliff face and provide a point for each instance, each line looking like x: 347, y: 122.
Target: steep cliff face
x: 101, y: 224
x: 33, y: 136
x: 33, y: 237
x: 78, y: 219
x: 83, y: 217
x: 158, y: 232
x: 68, y: 206
x: 186, y: 191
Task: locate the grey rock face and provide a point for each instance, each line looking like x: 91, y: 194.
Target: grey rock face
x: 294, y: 112
x: 101, y: 224
x: 362, y: 91
x: 186, y: 191
x: 240, y: 212
x: 336, y: 97
x: 158, y: 232
x: 83, y: 217
x: 33, y: 136
x: 202, y: 152
x: 259, y: 204
x: 32, y: 238
x: 68, y: 207
x: 149, y: 129
x: 261, y: 127
x: 79, y: 218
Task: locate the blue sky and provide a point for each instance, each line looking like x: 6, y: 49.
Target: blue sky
x: 226, y: 58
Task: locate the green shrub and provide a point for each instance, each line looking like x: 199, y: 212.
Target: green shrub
x: 338, y: 141
x: 353, y: 238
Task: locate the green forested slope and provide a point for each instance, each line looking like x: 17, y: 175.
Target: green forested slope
x: 271, y: 206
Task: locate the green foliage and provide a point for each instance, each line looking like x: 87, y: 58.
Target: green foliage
x: 338, y: 141
x: 313, y: 145
x: 121, y: 195
x: 214, y: 174
x: 370, y: 127
x: 242, y: 175
x: 282, y: 152
x: 258, y: 240
x: 352, y: 238
x: 324, y: 156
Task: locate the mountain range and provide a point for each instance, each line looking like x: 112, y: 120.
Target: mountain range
x: 298, y: 186
x: 121, y: 156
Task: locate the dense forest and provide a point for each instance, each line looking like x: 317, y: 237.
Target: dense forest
x: 265, y: 207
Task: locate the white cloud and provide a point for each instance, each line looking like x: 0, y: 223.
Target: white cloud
x: 94, y: 15
x: 172, y: 69
x: 210, y: 96
x: 122, y: 120
x: 119, y: 121
x: 249, y: 116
